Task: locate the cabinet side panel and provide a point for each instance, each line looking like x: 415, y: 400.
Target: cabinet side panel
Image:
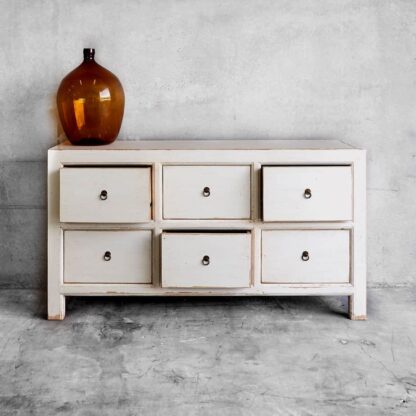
x: 56, y: 301
x: 358, y: 301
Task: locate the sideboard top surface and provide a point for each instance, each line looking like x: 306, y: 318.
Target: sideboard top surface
x: 287, y: 144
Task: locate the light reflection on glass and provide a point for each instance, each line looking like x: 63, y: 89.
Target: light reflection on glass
x: 79, y: 112
x: 105, y: 95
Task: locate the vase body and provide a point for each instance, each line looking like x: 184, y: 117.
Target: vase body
x: 90, y: 103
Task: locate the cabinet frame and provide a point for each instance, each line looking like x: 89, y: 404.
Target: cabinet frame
x: 256, y: 153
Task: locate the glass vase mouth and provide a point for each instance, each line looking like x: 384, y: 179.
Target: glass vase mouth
x: 89, y: 54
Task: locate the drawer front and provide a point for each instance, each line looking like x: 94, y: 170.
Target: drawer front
x: 105, y: 195
x: 313, y: 256
x: 206, y: 192
x: 107, y: 256
x: 210, y: 260
x: 315, y: 193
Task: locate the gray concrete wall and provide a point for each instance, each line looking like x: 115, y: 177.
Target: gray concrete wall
x: 222, y: 69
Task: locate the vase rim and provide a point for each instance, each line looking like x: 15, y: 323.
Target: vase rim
x: 89, y: 54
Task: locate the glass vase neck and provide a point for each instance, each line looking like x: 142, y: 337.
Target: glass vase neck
x: 89, y: 54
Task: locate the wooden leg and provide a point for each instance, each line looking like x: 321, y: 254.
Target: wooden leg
x: 56, y: 307
x: 357, y: 307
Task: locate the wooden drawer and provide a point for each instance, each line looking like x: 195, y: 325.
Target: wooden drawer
x: 105, y: 195
x: 208, y: 260
x: 206, y: 192
x: 107, y: 256
x: 307, y: 193
x: 312, y: 256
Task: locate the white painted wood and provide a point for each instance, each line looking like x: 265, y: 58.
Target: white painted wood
x: 179, y: 145
x: 256, y: 257
x: 284, y: 193
x: 128, y: 194
x: 358, y: 302
x: 227, y: 197
x: 228, y: 261
x: 73, y: 156
x: 155, y: 156
x: 157, y: 231
x: 77, y: 289
x: 212, y: 225
x: 56, y: 300
x: 129, y: 261
x: 327, y: 259
x: 256, y: 172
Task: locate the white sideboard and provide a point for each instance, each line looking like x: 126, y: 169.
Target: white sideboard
x: 207, y: 218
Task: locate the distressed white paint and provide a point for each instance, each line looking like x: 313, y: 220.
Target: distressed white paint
x: 292, y: 289
x: 210, y: 260
x: 56, y: 300
x: 306, y: 256
x: 216, y: 154
x: 358, y: 301
x: 284, y: 144
x: 315, y: 193
x: 206, y: 192
x: 86, y: 259
x: 127, y: 194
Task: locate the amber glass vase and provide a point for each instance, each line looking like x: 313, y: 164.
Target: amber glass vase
x: 90, y: 103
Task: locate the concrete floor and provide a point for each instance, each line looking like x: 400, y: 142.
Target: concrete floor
x: 235, y: 356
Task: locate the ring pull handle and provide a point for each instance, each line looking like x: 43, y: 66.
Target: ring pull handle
x: 103, y: 195
x: 206, y: 192
x: 205, y: 260
x: 305, y: 256
x: 107, y: 256
x: 307, y: 193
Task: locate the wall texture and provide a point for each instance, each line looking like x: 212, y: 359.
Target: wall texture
x: 220, y: 69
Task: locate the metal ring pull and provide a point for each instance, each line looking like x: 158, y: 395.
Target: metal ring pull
x: 308, y: 193
x: 107, y: 256
x: 103, y: 195
x: 205, y: 260
x: 206, y: 192
x: 305, y: 256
